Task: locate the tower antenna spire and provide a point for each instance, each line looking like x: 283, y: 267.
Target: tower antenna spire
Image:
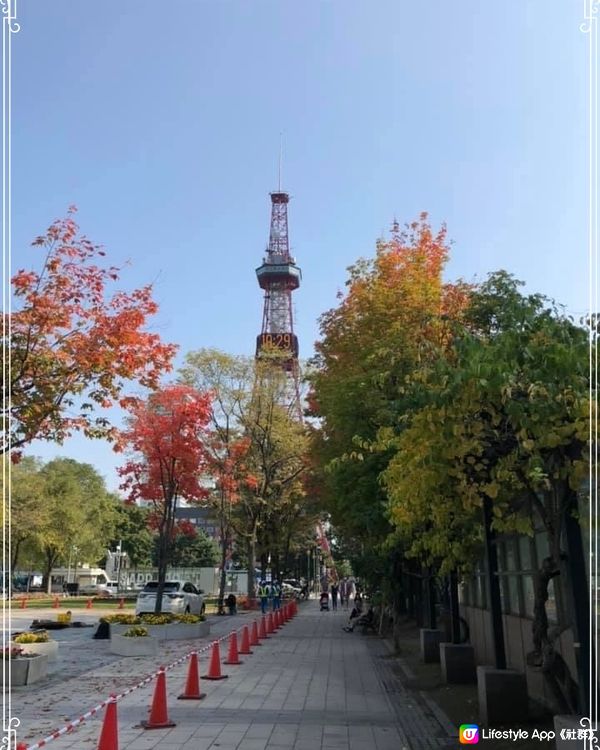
x: 280, y: 158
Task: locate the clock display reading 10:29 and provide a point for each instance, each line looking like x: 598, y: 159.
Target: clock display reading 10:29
x: 281, y: 341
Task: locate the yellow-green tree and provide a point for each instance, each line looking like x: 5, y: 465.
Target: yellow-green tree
x: 505, y: 419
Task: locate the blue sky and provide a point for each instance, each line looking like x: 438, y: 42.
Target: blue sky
x: 161, y: 122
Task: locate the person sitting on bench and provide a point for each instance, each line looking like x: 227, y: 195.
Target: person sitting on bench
x: 367, y: 620
x: 354, y: 615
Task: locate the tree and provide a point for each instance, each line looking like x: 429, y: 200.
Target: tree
x: 393, y: 319
x: 27, y: 515
x: 191, y: 548
x: 166, y: 440
x: 72, y: 349
x: 504, y: 423
x: 79, y: 512
x: 133, y: 533
x: 259, y: 450
x: 228, y: 380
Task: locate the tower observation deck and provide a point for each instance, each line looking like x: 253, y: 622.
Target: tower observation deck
x: 279, y: 276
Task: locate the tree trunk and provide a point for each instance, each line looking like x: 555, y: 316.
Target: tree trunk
x: 223, y: 573
x: 16, y: 546
x: 251, y: 551
x: 164, y: 540
x: 50, y: 558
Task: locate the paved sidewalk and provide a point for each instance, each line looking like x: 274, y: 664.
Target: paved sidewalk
x: 310, y: 686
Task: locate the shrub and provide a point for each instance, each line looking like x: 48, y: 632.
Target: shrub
x: 190, y: 619
x: 40, y: 637
x: 162, y: 619
x: 12, y: 653
x: 136, y: 632
x: 121, y: 619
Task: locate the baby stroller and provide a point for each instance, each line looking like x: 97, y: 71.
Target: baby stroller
x: 324, y: 602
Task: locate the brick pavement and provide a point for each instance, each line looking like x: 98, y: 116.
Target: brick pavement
x: 310, y: 686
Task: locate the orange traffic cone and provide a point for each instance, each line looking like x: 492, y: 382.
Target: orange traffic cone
x: 245, y: 647
x: 21, y: 746
x: 23, y: 602
x: 109, y: 736
x: 214, y: 668
x: 254, y: 635
x: 270, y: 626
x: 88, y: 604
x: 232, y: 656
x: 121, y: 603
x: 262, y: 633
x: 159, y: 716
x: 56, y: 605
x: 192, y: 684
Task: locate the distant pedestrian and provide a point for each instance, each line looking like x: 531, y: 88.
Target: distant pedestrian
x: 344, y: 592
x: 334, y: 595
x: 276, y: 593
x: 263, y: 593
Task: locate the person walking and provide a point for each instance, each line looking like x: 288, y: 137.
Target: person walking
x: 263, y: 593
x: 344, y: 592
x: 334, y: 595
x: 276, y: 591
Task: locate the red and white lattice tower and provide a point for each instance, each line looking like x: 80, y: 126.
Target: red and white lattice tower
x: 279, y: 276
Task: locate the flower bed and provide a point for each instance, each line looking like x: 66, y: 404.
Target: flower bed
x: 135, y: 641
x: 164, y: 627
x: 37, y: 643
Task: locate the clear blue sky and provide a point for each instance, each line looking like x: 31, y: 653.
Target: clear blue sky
x: 161, y: 121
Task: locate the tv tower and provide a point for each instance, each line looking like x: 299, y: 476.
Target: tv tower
x: 279, y: 276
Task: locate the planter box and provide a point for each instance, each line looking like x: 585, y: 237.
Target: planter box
x: 49, y: 649
x: 142, y: 646
x: 458, y: 663
x: 26, y: 671
x: 171, y: 632
x: 502, y: 696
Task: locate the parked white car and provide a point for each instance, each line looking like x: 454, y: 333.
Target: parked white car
x: 178, y: 598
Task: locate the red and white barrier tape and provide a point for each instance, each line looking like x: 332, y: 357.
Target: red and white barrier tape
x: 72, y: 724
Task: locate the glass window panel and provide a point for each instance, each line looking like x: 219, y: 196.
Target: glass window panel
x: 528, y: 595
x: 513, y: 595
x: 525, y: 552
x: 541, y: 546
x: 510, y: 559
x: 503, y: 594
x: 551, y: 603
x: 500, y: 552
x: 481, y: 597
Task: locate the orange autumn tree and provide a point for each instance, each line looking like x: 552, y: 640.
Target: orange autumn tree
x: 166, y: 439
x: 395, y: 318
x: 72, y: 346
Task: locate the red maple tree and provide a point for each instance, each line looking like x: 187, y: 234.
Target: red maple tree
x: 166, y: 437
x: 72, y: 346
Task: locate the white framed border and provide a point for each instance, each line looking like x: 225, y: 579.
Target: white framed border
x: 10, y: 26
x: 591, y: 9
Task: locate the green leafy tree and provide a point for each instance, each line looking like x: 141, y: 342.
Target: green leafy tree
x: 392, y: 320
x: 191, y: 549
x: 251, y: 404
x: 132, y: 531
x: 27, y: 514
x: 505, y: 421
x: 79, y: 512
